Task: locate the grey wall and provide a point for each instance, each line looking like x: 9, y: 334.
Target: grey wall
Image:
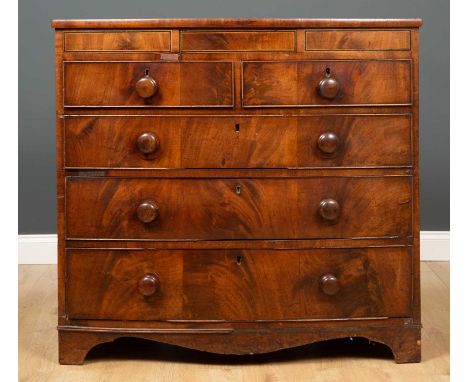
x: 36, y: 83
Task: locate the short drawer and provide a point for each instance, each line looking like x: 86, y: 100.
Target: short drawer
x: 349, y: 39
x: 237, y: 41
x: 232, y: 209
x: 238, y: 285
x: 117, y: 41
x: 326, y: 83
x: 148, y: 84
x: 238, y: 142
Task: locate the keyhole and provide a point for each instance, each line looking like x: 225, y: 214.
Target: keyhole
x: 239, y: 260
x: 146, y: 72
x: 237, y: 128
x: 327, y: 72
x: 238, y: 189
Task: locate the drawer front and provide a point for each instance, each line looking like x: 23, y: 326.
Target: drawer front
x: 148, y: 84
x: 358, y: 40
x: 238, y: 142
x: 237, y: 41
x: 238, y: 285
x: 230, y: 209
x: 118, y: 41
x: 326, y: 83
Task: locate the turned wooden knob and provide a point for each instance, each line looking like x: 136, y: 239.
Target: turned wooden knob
x: 148, y: 211
x: 148, y: 143
x: 328, y: 143
x: 148, y: 285
x: 329, y: 284
x: 329, y: 209
x: 146, y: 87
x: 328, y: 88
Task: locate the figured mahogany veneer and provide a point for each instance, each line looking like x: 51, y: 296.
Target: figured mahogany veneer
x: 240, y: 142
x: 229, y: 209
x: 106, y: 84
x: 238, y: 285
x: 112, y: 41
x: 358, y: 39
x: 298, y: 83
x: 238, y: 186
x: 237, y: 41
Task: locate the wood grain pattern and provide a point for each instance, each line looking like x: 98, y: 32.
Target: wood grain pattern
x: 256, y: 173
x: 60, y: 177
x: 202, y: 209
x: 239, y: 285
x: 115, y: 41
x: 294, y: 83
x: 222, y: 326
x: 238, y: 23
x: 416, y: 171
x: 358, y: 39
x: 243, y: 243
x: 238, y: 142
x: 237, y: 41
x: 107, y: 84
x: 241, y: 56
x: 195, y: 163
x: 405, y: 342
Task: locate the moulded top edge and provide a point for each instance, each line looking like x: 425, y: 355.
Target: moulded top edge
x: 236, y: 23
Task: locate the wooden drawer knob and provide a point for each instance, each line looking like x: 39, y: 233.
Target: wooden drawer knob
x: 148, y: 285
x: 146, y: 87
x: 329, y: 284
x: 148, y: 143
x: 329, y: 209
x: 148, y: 211
x: 328, y: 88
x: 328, y: 143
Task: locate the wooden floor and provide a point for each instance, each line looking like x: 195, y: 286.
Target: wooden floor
x: 138, y: 360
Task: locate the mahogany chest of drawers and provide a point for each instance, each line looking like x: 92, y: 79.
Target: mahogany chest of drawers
x: 237, y: 186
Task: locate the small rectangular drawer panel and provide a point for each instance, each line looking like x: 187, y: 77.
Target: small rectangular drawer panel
x: 239, y: 142
x: 118, y: 41
x: 358, y: 40
x: 238, y: 285
x: 230, y: 209
x: 179, y: 84
x: 237, y: 41
x: 295, y: 83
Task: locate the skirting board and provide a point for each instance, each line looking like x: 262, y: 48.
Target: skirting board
x: 42, y: 249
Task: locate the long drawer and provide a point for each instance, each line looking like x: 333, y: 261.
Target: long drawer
x: 238, y: 142
x: 229, y: 209
x: 326, y: 83
x: 148, y: 84
x: 238, y: 285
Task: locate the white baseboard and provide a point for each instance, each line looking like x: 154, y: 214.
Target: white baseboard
x: 37, y: 249
x: 435, y: 245
x: 42, y: 249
